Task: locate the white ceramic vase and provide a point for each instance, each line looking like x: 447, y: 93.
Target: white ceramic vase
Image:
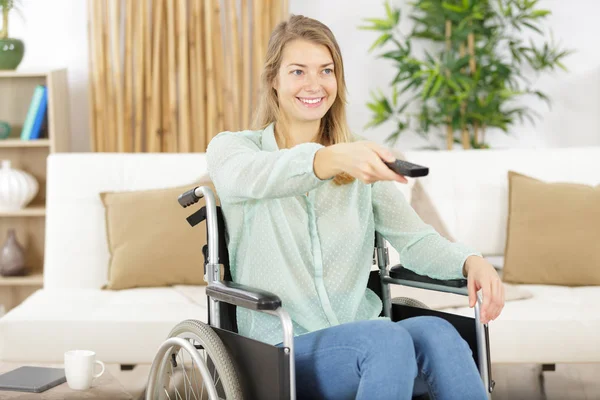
x: 17, y: 188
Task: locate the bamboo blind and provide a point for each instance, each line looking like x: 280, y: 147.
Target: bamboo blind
x: 168, y: 75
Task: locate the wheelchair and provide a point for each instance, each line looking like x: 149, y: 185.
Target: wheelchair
x: 212, y: 361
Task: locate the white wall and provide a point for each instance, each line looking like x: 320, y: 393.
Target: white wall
x: 55, y: 33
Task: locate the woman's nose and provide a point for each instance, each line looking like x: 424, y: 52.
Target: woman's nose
x: 312, y: 84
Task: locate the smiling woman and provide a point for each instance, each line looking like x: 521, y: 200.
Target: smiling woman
x: 302, y: 198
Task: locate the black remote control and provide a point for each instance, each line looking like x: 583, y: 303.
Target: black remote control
x: 406, y: 168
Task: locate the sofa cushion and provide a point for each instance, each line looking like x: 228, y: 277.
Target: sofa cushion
x: 150, y: 242
x: 553, y: 231
x: 557, y: 325
x: 125, y: 326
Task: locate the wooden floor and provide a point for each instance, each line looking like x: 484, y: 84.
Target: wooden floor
x: 568, y: 381
x: 513, y: 382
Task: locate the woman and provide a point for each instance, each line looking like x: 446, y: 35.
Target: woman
x: 302, y: 198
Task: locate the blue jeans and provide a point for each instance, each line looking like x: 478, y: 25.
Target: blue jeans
x: 379, y: 359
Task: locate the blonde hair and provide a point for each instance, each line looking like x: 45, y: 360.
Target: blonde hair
x: 334, y: 126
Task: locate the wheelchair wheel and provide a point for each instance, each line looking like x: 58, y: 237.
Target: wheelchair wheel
x: 407, y: 301
x: 193, y: 363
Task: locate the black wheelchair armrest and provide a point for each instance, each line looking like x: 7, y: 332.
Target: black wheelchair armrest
x: 243, y: 296
x: 399, y: 272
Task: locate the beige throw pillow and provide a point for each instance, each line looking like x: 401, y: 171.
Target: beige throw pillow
x: 150, y: 241
x: 553, y: 231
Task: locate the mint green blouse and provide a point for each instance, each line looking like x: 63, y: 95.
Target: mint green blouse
x: 310, y: 241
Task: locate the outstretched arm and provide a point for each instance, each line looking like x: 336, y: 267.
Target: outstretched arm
x: 241, y: 171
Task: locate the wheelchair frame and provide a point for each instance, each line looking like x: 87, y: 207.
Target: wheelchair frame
x: 224, y: 292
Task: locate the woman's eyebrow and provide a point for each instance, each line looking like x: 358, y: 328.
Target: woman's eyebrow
x: 304, y: 66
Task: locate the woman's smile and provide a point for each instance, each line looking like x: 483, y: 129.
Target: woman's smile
x: 311, y: 102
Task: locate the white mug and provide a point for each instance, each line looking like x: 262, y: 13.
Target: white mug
x: 79, y: 368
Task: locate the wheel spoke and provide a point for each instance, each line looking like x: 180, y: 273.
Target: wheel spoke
x: 194, y: 374
x: 183, y: 370
x: 191, y: 388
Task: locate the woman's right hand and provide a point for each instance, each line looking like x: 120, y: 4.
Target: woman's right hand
x: 362, y: 160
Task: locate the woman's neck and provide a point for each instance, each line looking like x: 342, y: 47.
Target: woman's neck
x: 297, y: 133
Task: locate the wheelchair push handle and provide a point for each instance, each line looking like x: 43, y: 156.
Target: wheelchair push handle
x: 190, y: 197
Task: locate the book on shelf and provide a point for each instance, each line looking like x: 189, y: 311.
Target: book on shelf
x: 35, y: 121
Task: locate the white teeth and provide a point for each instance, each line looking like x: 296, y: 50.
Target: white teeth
x: 311, y: 101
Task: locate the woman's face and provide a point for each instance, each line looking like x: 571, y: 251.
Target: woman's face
x: 306, y: 84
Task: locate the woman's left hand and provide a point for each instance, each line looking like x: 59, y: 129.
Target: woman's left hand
x: 481, y: 275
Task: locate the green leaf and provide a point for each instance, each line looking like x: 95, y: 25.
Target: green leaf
x: 397, y: 55
x: 380, y: 41
x: 388, y: 10
x: 561, y: 66
x: 381, y: 24
x: 540, y: 13
x: 427, y: 87
x: 375, y: 107
x: 543, y: 97
x: 436, y: 86
x: 395, y: 96
x: 451, y: 7
x: 533, y: 27
x: 386, y: 105
x: 396, y: 17
x: 453, y: 85
x: 460, y: 63
x: 404, y: 106
x: 409, y: 85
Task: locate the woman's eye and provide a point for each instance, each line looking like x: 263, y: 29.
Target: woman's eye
x: 297, y: 72
x: 328, y: 71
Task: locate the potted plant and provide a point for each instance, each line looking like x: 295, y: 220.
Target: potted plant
x: 472, y: 70
x: 11, y: 49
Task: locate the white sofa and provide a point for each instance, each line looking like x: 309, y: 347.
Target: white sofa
x: 468, y: 188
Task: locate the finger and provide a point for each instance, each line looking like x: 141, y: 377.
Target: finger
x: 487, y: 299
x: 381, y: 172
x: 385, y: 173
x: 500, y: 297
x: 494, y: 308
x: 383, y: 152
x: 472, y: 292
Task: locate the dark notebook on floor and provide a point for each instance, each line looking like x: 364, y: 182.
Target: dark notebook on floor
x: 32, y: 379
